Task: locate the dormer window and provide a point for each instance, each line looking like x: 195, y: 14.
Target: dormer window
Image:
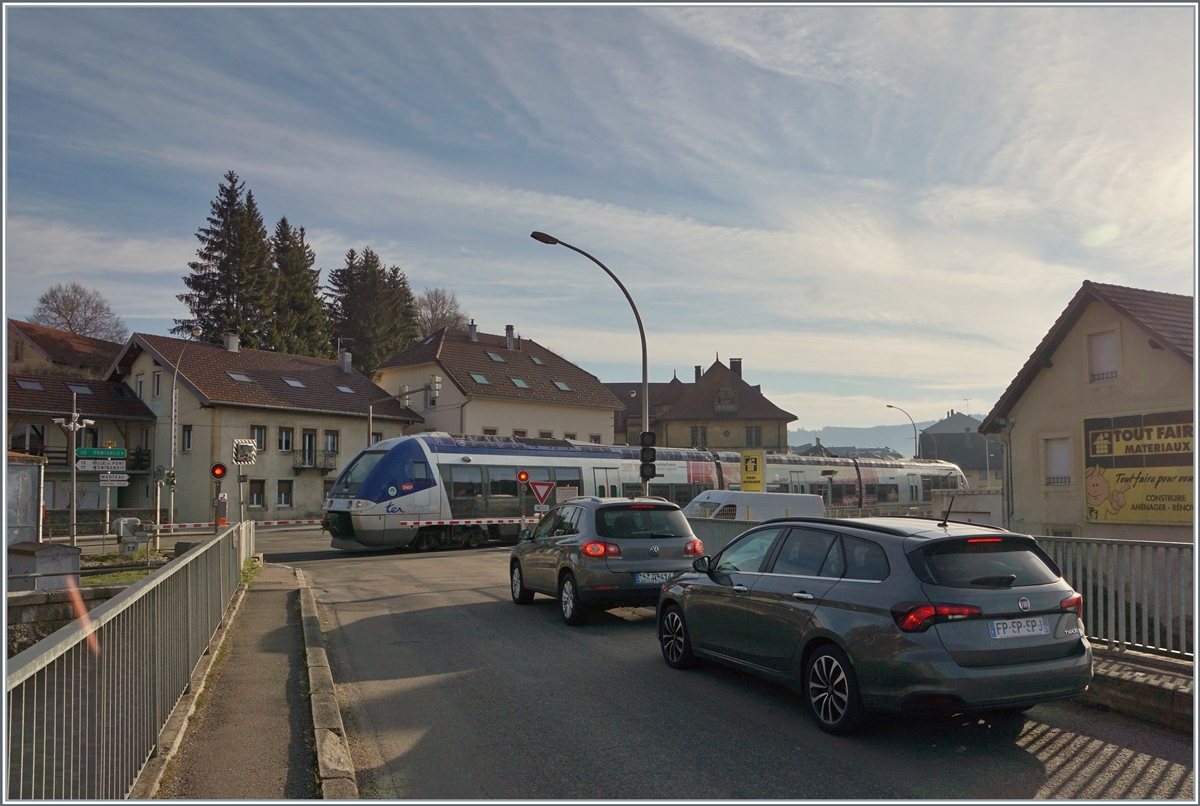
x: 239, y: 377
x: 495, y: 356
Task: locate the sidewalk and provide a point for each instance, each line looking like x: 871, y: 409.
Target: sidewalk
x: 1151, y: 688
x: 252, y: 735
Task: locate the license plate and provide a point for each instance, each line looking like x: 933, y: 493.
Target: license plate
x: 649, y: 578
x: 1019, y: 627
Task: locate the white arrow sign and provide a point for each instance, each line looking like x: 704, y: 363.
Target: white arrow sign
x: 114, y: 477
x: 92, y: 465
x: 114, y: 484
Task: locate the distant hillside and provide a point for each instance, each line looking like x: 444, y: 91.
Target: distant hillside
x: 897, y: 437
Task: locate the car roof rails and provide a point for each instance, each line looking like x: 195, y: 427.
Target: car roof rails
x: 843, y: 522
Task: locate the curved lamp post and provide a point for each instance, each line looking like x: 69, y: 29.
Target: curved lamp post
x: 916, y: 442
x: 550, y: 239
x: 196, y: 331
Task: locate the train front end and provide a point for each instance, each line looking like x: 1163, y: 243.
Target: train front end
x: 377, y: 499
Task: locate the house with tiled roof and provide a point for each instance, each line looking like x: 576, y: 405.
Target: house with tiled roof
x: 307, y: 416
x: 956, y: 438
x: 720, y: 411
x: 120, y: 420
x: 1099, y: 423
x: 504, y: 386
x: 39, y: 350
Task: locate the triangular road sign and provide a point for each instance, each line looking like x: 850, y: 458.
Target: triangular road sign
x: 541, y: 490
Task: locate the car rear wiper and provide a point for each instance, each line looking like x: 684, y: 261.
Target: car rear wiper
x: 1002, y: 581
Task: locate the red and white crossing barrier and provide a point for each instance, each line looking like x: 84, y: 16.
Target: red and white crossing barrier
x: 170, y: 527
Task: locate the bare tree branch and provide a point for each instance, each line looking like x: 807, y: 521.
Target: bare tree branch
x: 438, y: 308
x: 78, y: 310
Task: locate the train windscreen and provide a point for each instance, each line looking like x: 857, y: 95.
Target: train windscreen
x: 350, y: 482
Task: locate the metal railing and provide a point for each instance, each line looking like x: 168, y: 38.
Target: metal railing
x: 86, y: 705
x: 1136, y: 595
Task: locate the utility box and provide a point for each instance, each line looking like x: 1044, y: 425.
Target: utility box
x: 126, y: 528
x: 42, y: 558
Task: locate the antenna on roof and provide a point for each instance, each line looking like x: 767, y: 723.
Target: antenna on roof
x: 946, y: 515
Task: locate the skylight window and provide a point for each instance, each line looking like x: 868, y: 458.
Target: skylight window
x: 479, y: 378
x: 345, y: 389
x: 32, y: 386
x: 538, y: 361
x: 123, y: 392
x: 495, y: 356
x: 295, y: 383
x: 80, y: 389
x: 239, y: 377
x: 520, y: 384
x: 562, y: 386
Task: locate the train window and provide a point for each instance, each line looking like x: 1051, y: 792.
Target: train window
x: 888, y: 493
x: 569, y: 481
x: 420, y: 471
x: 466, y: 482
x: 354, y: 475
x: 502, y: 482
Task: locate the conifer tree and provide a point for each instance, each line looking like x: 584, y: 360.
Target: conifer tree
x: 301, y: 323
x: 372, y: 305
x: 232, y: 285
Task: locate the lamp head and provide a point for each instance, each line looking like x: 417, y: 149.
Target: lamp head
x: 89, y: 422
x: 543, y: 237
x: 196, y: 331
x: 60, y: 421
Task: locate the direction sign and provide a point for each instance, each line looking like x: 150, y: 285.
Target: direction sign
x: 114, y: 477
x: 114, y: 483
x: 541, y: 490
x: 102, y: 465
x: 100, y: 453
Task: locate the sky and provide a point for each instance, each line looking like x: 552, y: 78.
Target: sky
x: 867, y: 205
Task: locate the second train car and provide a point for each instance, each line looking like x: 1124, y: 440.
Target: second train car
x: 434, y: 489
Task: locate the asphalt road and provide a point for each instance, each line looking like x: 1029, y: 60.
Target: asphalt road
x: 449, y: 690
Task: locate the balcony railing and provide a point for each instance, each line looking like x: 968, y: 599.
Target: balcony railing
x: 325, y: 461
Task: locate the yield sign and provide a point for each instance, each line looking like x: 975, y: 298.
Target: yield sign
x: 541, y: 490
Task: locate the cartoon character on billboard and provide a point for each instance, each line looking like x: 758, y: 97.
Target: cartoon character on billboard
x: 1102, y: 500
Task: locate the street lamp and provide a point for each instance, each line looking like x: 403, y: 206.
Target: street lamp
x: 196, y: 331
x: 74, y: 425
x: 916, y: 442
x: 549, y: 239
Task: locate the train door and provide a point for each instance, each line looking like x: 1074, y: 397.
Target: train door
x: 914, y: 488
x: 798, y: 482
x: 607, y: 483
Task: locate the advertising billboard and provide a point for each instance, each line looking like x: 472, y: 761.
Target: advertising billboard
x: 1138, y: 468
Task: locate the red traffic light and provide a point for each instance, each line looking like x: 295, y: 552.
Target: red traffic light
x: 218, y: 471
x: 523, y: 476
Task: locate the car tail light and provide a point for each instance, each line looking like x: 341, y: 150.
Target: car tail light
x: 918, y: 617
x: 694, y: 547
x: 1074, y: 604
x: 598, y: 549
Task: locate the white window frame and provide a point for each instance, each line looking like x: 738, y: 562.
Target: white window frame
x: 261, y: 447
x: 1115, y: 329
x: 262, y: 504
x: 291, y: 493
x: 337, y: 439
x: 141, y: 383
x: 291, y: 438
x: 157, y: 385
x: 185, y: 440
x: 1044, y: 459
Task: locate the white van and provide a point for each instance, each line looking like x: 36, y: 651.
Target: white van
x: 735, y: 505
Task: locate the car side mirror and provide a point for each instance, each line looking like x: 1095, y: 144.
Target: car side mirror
x: 701, y: 564
x: 525, y: 535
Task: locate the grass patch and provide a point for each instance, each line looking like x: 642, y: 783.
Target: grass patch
x: 116, y: 578
x: 250, y: 570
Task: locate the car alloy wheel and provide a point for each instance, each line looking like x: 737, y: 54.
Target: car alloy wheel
x: 676, y: 645
x: 831, y: 690
x: 520, y: 594
x: 568, y: 598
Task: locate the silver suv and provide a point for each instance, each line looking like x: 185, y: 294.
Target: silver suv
x: 602, y: 553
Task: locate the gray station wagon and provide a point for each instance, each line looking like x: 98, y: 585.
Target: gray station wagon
x: 883, y: 614
x: 602, y: 553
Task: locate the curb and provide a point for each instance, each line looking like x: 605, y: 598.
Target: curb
x: 335, y: 768
x: 170, y: 738
x: 1154, y: 690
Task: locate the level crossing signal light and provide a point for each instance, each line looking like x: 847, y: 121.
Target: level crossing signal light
x: 435, y: 386
x: 218, y: 471
x: 648, y: 455
x: 523, y: 477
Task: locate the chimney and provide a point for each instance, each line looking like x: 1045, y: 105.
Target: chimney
x: 508, y: 336
x: 699, y: 374
x: 735, y: 364
x: 231, y: 341
x: 344, y: 359
x: 472, y: 331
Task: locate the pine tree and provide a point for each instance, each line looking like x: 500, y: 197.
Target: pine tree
x: 232, y: 285
x: 372, y: 305
x: 301, y: 323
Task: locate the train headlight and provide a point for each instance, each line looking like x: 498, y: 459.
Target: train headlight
x: 361, y: 504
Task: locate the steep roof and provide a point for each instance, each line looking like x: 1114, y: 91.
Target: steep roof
x: 630, y: 395
x: 1166, y: 318
x: 109, y: 400
x: 460, y: 359
x: 956, y: 423
x: 206, y: 369
x: 61, y: 347
x: 699, y: 402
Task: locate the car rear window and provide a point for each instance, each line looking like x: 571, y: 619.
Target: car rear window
x: 641, y: 520
x: 983, y: 562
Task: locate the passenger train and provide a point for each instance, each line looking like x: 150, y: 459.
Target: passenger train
x: 432, y: 489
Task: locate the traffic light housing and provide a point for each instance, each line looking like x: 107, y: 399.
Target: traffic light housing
x: 218, y: 471
x: 647, y: 456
